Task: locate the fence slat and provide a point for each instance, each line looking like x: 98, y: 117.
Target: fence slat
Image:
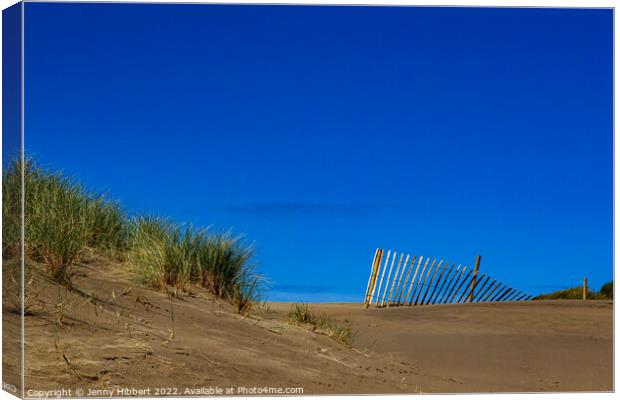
x: 509, y: 294
x: 418, y: 286
x: 372, y: 280
x: 442, y: 297
x: 467, y: 291
x: 466, y: 278
x: 400, y: 261
x: 483, y: 293
x: 439, y: 281
x: 427, y: 282
x: 456, y: 281
x: 413, y: 281
x: 480, y: 287
x: 399, y: 282
x: 387, y: 260
x: 430, y: 283
x: 516, y: 293
x: 372, y: 271
x: 492, y: 291
x: 512, y: 290
x: 503, y: 294
x: 460, y: 285
x: 404, y: 285
x: 523, y: 295
x: 501, y: 290
x: 387, y: 281
x: 440, y: 291
x: 428, y: 272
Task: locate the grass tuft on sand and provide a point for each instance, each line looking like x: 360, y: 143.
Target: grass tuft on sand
x: 64, y: 221
x: 342, y: 331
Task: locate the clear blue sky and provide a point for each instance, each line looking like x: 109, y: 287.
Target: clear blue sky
x: 322, y: 133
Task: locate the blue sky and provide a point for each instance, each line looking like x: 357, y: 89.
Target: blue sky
x: 321, y: 133
x: 11, y: 82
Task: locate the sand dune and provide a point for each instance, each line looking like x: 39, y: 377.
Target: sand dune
x: 117, y: 334
x: 493, y: 347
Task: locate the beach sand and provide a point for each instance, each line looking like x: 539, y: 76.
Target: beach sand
x: 532, y: 346
x: 117, y: 334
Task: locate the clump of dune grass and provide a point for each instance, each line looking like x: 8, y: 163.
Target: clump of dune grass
x: 339, y: 330
x: 165, y: 254
x: 342, y: 331
x: 160, y: 254
x: 300, y: 314
x: 61, y: 219
x: 607, y: 291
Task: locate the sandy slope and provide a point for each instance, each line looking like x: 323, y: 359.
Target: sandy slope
x: 496, y: 347
x: 117, y: 334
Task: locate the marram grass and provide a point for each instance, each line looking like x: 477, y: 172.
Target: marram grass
x: 63, y: 220
x: 164, y: 254
x: 342, y: 331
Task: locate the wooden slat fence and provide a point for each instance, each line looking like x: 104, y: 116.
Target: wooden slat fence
x: 400, y: 279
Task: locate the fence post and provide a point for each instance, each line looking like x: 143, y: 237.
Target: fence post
x: 372, y: 270
x: 473, y: 281
x: 387, y: 260
x: 585, y: 288
x: 373, y: 277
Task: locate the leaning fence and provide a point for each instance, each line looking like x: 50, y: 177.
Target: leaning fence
x: 400, y: 279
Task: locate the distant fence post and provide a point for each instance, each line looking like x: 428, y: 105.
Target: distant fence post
x: 473, y: 281
x: 585, y: 288
x: 373, y: 277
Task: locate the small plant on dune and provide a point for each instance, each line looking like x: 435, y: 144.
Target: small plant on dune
x: 300, y: 314
x: 246, y: 292
x: 263, y: 309
x: 342, y: 331
x: 339, y: 330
